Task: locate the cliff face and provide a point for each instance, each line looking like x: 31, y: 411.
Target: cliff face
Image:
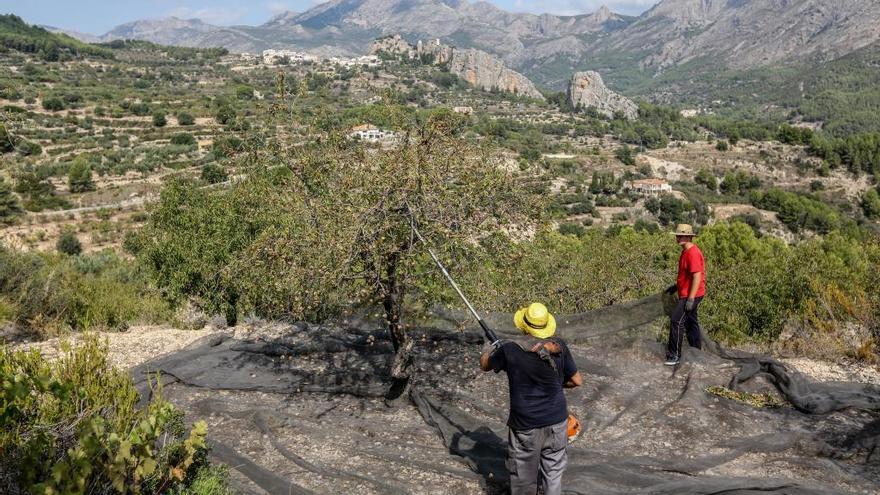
x: 586, y: 89
x: 486, y: 72
x: 478, y: 68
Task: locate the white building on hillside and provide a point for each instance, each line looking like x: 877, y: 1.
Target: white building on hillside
x: 648, y: 187
x: 271, y: 56
x: 370, y: 133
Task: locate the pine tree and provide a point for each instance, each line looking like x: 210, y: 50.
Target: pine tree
x: 80, y: 176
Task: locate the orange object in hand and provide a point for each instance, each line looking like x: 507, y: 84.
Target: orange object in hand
x: 574, y: 428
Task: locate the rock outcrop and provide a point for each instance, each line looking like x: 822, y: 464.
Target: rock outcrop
x: 487, y: 72
x: 393, y: 45
x: 476, y: 67
x: 586, y: 90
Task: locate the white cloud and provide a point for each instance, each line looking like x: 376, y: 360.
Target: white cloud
x: 575, y: 7
x: 211, y: 15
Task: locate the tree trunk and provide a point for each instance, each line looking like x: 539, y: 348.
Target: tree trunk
x: 232, y: 309
x: 392, y: 303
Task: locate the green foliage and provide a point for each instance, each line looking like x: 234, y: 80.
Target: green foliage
x: 570, y: 274
x: 15, y: 34
x: 669, y: 210
x: 722, y: 146
x: 871, y: 204
x: 244, y: 92
x: 625, y: 155
x: 39, y: 193
x: 10, y: 209
x: 159, y: 119
x: 707, y: 178
x: 79, y: 178
x: 213, y: 173
x: 7, y: 143
x: 185, y: 119
x: 177, y: 53
x: 51, y: 292
x: 53, y: 104
x: 72, y: 426
x: 799, y: 212
x: 736, y: 183
x: 794, y: 135
x: 183, y: 139
x: 446, y: 80
x: 68, y: 244
x: 225, y: 115
x: 858, y: 153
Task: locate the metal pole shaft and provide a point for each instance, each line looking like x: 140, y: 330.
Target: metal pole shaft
x: 490, y: 334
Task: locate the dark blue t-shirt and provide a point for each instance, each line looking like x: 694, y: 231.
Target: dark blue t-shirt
x: 536, y: 396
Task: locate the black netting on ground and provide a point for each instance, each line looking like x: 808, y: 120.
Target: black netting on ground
x: 297, y: 408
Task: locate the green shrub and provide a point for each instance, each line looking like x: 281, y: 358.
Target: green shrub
x: 72, y: 426
x: 53, y: 104
x: 68, y: 244
x: 159, y: 119
x: 185, y: 119
x: 39, y: 193
x: 140, y: 109
x: 706, y: 178
x: 244, y: 92
x: 183, y: 139
x: 871, y: 203
x: 89, y: 291
x: 722, y: 146
x: 625, y: 155
x: 799, y: 212
x: 225, y: 115
x: 213, y: 173
x: 573, y: 229
x: 79, y: 178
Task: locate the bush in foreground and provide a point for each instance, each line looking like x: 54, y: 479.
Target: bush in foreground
x: 72, y: 426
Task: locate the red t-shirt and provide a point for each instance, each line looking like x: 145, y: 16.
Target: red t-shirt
x: 691, y: 262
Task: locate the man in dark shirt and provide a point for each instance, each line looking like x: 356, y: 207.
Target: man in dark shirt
x: 538, y: 422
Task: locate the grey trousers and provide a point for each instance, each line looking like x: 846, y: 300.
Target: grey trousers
x: 536, y: 457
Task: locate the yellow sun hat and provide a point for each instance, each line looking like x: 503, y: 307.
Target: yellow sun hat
x: 536, y: 321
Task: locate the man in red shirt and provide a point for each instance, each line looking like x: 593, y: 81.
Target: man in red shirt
x: 691, y: 287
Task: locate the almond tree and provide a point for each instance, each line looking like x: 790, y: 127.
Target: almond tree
x: 323, y: 224
x: 358, y: 205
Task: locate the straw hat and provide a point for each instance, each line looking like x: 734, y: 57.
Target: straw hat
x: 536, y: 321
x: 684, y: 229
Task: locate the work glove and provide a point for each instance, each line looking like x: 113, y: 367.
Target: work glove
x: 671, y: 289
x: 689, y: 305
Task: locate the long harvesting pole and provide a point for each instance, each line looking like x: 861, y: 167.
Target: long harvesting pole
x: 490, y: 334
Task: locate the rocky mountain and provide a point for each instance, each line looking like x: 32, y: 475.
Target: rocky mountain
x: 748, y: 33
x: 628, y: 51
x: 587, y: 90
x: 170, y: 31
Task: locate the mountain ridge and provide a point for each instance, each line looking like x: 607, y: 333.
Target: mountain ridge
x: 548, y: 48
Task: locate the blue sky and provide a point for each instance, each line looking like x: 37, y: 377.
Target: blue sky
x: 99, y: 16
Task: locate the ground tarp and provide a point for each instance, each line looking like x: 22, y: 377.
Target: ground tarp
x: 297, y: 408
